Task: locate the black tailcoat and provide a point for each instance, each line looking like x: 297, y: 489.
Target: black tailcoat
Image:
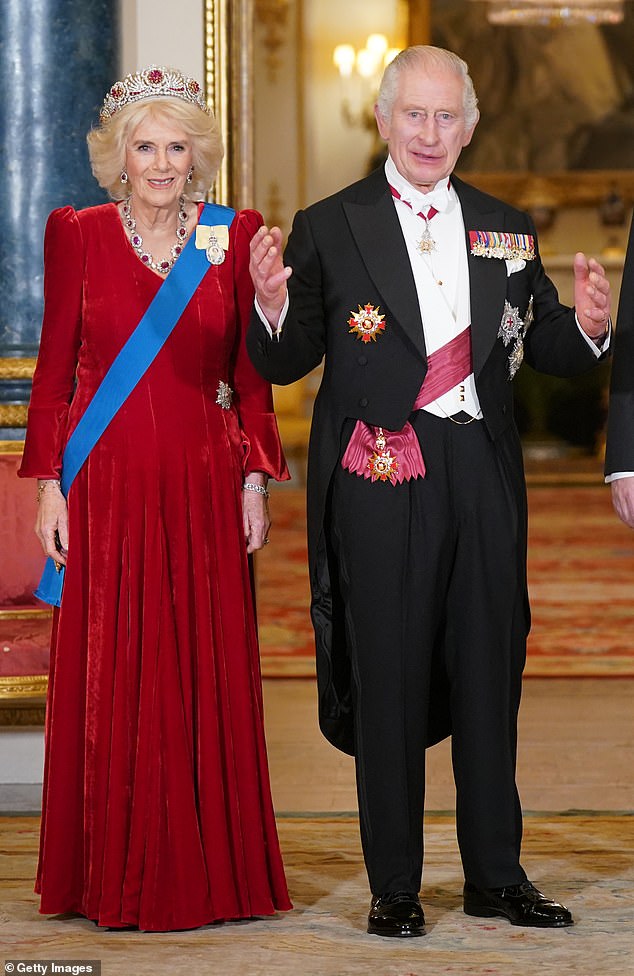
x: 348, y: 251
x: 620, y: 439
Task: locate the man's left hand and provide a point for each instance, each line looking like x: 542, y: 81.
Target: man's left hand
x: 592, y: 297
x: 623, y: 499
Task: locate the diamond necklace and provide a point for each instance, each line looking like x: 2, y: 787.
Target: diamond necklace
x: 137, y: 241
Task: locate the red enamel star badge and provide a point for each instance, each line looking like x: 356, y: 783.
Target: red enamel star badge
x: 366, y: 324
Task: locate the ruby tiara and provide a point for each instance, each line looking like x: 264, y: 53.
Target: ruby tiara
x: 151, y: 83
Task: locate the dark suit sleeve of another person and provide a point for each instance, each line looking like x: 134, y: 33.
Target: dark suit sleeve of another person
x: 620, y: 437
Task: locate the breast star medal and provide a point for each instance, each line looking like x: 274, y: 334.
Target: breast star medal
x: 512, y: 329
x: 516, y: 358
x: 381, y: 464
x: 366, y: 324
x: 511, y: 325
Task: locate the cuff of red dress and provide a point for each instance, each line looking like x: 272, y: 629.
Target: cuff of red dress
x: 263, y: 446
x: 42, y: 455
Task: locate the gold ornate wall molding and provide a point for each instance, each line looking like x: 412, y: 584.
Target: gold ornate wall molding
x: 23, y: 686
x: 273, y: 15
x: 229, y: 88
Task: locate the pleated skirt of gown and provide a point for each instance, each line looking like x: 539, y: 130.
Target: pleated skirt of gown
x: 157, y: 809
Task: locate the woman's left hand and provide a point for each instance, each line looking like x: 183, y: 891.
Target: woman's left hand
x: 256, y: 521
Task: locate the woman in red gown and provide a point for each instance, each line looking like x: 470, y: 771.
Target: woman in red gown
x: 157, y: 810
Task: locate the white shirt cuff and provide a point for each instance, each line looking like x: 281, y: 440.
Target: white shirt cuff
x: 605, y: 345
x: 280, y: 321
x: 617, y: 475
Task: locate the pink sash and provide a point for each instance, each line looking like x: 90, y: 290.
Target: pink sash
x: 395, y: 456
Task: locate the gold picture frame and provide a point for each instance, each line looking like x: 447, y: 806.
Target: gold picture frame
x: 229, y: 86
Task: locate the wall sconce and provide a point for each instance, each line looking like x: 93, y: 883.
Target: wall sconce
x: 360, y: 72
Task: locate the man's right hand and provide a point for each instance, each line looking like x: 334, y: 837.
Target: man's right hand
x: 268, y: 272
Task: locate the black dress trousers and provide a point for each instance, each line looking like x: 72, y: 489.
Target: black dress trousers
x: 435, y: 567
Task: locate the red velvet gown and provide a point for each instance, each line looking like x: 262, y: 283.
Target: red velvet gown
x: 157, y: 809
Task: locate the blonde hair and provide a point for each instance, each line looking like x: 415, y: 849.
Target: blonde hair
x: 107, y: 142
x: 426, y: 57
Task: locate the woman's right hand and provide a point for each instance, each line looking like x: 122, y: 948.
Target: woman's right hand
x: 51, y: 524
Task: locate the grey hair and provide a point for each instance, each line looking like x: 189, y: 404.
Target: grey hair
x: 427, y: 57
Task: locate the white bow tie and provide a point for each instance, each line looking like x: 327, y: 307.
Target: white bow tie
x: 438, y: 198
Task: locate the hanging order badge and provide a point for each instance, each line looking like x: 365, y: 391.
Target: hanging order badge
x: 214, y: 241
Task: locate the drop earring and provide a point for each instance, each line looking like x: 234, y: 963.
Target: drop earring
x: 124, y: 177
x: 190, y: 175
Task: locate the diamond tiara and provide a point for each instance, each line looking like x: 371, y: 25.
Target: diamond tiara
x: 152, y: 82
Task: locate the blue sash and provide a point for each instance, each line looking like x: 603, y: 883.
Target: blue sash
x: 130, y: 364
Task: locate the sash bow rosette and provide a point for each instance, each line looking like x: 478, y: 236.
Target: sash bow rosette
x: 395, y: 456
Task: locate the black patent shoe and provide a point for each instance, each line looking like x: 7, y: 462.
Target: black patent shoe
x: 521, y: 904
x: 396, y: 915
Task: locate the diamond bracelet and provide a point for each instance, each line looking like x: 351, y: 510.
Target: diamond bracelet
x: 260, y: 489
x: 44, y: 483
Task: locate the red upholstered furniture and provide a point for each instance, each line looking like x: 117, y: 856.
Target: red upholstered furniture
x: 25, y: 622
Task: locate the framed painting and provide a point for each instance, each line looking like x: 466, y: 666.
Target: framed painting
x: 556, y: 103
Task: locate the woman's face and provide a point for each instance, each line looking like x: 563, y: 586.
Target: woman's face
x: 157, y: 160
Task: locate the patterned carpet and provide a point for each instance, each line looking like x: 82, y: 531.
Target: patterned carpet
x: 581, y: 581
x: 584, y: 860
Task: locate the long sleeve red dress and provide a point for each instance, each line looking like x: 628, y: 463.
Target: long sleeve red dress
x: 157, y: 810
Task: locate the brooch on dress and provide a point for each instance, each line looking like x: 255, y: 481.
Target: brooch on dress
x: 366, y: 324
x: 224, y: 395
x: 512, y: 329
x: 502, y: 245
x: 214, y: 241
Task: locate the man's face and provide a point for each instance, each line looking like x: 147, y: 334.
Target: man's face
x: 426, y: 131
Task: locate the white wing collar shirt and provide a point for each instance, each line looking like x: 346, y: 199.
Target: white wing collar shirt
x: 441, y: 275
